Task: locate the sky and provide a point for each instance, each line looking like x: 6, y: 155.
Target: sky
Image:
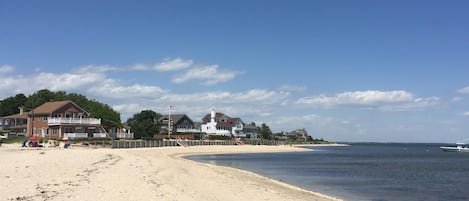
x: 347, y: 71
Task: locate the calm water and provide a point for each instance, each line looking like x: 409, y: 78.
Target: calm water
x: 364, y: 171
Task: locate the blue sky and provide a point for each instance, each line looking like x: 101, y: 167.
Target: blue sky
x: 387, y: 71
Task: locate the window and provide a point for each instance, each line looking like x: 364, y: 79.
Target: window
x: 44, y: 118
x: 68, y: 130
x: 79, y: 130
x: 68, y: 115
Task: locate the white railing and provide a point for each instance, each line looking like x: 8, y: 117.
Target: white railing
x: 60, y: 121
x: 187, y: 130
x: 76, y: 135
x: 99, y: 135
x: 125, y: 135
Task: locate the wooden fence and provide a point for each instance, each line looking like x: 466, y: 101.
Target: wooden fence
x: 119, y: 144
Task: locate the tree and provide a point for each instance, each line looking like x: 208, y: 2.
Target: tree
x: 11, y: 105
x: 109, y: 117
x: 265, y: 132
x: 144, y: 124
x: 44, y: 95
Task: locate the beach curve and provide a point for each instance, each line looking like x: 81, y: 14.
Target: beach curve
x: 139, y: 174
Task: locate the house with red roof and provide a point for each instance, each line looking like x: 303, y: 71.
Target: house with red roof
x: 223, y: 124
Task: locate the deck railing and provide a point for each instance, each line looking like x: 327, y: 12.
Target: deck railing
x: 76, y: 135
x: 124, y: 135
x: 61, y: 121
x: 100, y: 135
x: 187, y: 130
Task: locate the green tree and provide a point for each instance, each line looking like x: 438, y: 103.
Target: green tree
x: 109, y: 117
x: 44, y: 95
x: 11, y: 105
x: 265, y: 132
x: 144, y: 124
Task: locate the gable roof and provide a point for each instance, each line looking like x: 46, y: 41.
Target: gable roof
x: 234, y: 120
x: 176, y: 117
x: 217, y: 115
x: 51, y: 107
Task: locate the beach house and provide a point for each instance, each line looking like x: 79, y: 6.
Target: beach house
x: 180, y: 123
x: 216, y: 123
x: 56, y: 120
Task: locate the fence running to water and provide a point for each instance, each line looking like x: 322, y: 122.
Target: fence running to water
x: 118, y: 144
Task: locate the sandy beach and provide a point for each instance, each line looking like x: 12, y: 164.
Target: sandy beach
x: 137, y: 174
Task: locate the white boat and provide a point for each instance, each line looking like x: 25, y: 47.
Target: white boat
x: 460, y: 147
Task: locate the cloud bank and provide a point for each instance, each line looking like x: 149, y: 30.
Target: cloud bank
x: 372, y: 99
x: 6, y: 69
x: 464, y: 90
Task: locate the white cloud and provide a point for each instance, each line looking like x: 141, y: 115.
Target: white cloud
x: 140, y: 67
x: 464, y: 90
x: 457, y: 99
x: 173, y: 65
x: 208, y: 75
x: 51, y: 81
x: 6, y: 69
x: 359, y: 98
x: 166, y: 65
x: 111, y: 89
x: 466, y: 113
x: 130, y: 108
x: 67, y: 81
x: 385, y: 100
x: 96, y: 69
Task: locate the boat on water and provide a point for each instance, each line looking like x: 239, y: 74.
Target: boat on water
x: 459, y: 147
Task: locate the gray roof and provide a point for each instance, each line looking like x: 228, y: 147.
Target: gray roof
x: 174, y: 117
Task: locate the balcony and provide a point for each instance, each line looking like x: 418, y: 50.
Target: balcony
x: 73, y: 121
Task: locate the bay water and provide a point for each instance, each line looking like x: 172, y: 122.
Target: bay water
x: 364, y: 171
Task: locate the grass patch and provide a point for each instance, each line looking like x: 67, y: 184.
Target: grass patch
x: 14, y: 139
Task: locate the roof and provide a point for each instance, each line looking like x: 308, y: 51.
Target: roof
x: 50, y: 107
x: 234, y: 120
x: 174, y: 117
x: 16, y: 116
x: 226, y: 124
x: 217, y: 115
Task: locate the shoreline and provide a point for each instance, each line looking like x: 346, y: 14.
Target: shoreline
x: 140, y: 174
x: 297, y: 148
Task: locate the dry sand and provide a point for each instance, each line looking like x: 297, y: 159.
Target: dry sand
x: 137, y: 174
